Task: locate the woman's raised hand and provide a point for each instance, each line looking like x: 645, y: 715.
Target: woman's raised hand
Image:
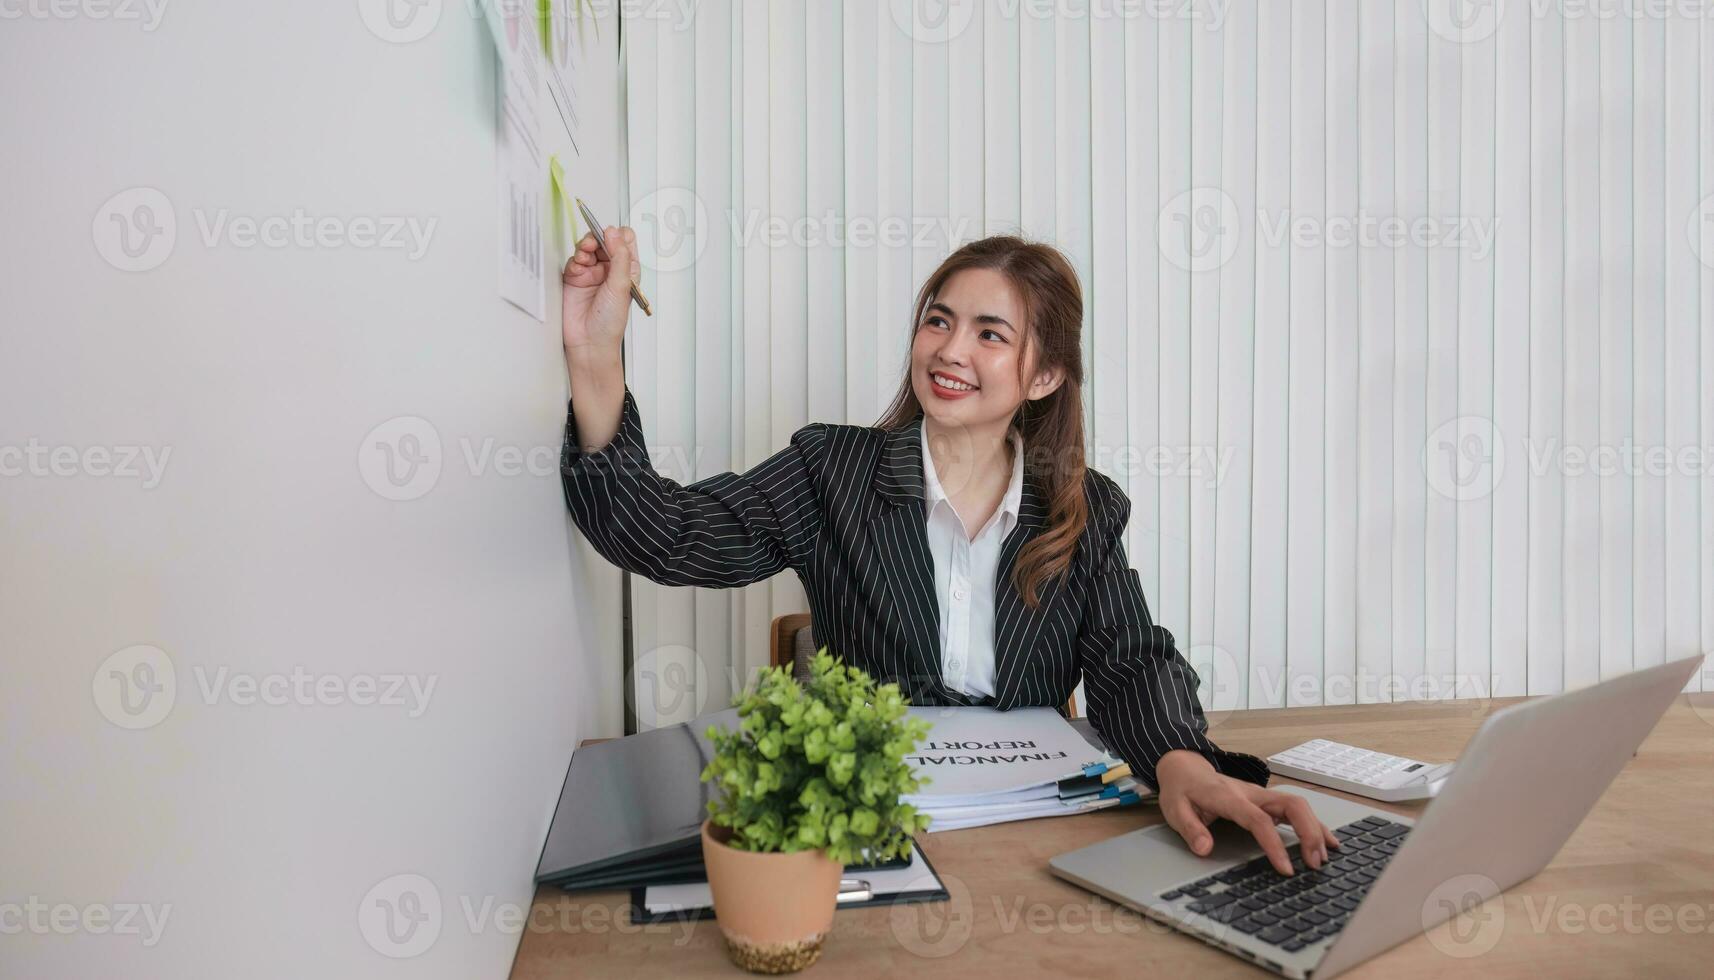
x: 596, y: 296
x: 597, y: 302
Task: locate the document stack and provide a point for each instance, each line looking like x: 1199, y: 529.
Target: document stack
x: 985, y: 766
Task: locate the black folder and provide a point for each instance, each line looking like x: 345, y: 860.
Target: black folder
x: 631, y: 810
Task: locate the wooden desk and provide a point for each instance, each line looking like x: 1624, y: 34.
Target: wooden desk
x: 1646, y: 851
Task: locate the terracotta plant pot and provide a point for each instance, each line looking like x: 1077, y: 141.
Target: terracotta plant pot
x: 774, y: 909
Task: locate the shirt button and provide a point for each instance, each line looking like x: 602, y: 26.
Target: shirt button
x: 955, y: 665
x: 958, y: 593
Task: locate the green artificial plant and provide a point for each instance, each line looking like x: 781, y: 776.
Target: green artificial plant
x: 818, y: 765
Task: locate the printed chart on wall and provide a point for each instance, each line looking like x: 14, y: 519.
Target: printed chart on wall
x: 566, y: 24
x: 519, y: 156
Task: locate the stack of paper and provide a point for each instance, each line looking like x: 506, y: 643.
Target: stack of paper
x: 985, y: 766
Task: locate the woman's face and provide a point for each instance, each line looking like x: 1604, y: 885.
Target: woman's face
x: 964, y: 358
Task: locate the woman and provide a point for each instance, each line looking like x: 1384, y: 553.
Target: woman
x: 961, y: 548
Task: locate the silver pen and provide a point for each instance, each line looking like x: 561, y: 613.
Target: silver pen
x: 601, y: 251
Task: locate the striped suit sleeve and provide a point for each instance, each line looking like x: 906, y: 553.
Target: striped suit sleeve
x: 722, y: 532
x: 1141, y: 692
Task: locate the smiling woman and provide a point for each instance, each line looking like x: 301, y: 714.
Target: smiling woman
x: 961, y: 548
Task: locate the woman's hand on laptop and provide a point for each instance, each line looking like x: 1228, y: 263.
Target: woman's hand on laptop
x: 1192, y: 794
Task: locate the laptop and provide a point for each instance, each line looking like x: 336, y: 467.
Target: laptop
x: 1522, y: 785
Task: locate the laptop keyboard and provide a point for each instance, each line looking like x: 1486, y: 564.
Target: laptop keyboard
x: 1307, y: 907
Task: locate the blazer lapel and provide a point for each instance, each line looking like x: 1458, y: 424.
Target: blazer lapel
x: 1015, y: 624
x: 899, y: 536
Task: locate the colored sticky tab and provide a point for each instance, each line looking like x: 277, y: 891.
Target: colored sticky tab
x: 1095, y: 769
x: 544, y: 23
x: 1124, y: 796
x: 1122, y: 769
x: 556, y: 174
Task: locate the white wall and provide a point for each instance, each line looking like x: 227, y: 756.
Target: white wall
x: 1327, y: 564
x: 262, y: 550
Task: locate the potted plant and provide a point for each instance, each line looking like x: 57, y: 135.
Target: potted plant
x: 808, y: 783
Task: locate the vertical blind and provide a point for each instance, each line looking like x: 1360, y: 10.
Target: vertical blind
x: 1399, y: 317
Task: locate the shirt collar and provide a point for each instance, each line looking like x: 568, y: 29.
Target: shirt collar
x: 1010, y: 504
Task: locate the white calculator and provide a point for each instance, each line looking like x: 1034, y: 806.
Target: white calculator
x: 1377, y: 775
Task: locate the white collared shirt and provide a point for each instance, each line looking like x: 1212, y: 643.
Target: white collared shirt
x: 965, y: 569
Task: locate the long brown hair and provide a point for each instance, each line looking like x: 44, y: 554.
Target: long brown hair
x: 1052, y: 426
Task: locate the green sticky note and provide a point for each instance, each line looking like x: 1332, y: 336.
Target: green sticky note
x: 562, y: 192
x: 544, y: 23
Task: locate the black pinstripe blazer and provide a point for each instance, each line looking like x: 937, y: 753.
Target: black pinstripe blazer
x: 843, y: 506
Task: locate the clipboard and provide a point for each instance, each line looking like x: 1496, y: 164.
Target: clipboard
x: 858, y: 888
